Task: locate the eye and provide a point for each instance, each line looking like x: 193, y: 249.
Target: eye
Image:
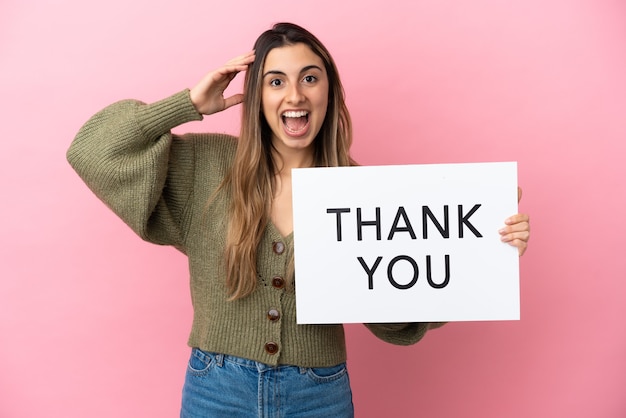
x: 309, y: 79
x: 276, y: 82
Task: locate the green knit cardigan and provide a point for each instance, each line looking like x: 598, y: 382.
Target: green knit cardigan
x: 159, y: 184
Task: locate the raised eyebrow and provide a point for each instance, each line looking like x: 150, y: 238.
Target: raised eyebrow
x: 273, y: 72
x: 304, y: 70
x: 310, y: 67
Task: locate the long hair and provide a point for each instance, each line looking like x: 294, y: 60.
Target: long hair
x: 251, y: 178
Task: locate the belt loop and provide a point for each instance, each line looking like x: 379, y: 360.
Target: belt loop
x: 219, y: 359
x: 302, y: 370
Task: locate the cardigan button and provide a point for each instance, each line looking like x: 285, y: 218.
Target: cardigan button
x: 278, y: 282
x: 273, y: 314
x: 278, y: 247
x: 271, y: 348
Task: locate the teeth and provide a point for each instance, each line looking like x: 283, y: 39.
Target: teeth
x: 295, y: 114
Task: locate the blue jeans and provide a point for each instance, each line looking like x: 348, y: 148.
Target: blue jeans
x: 218, y: 385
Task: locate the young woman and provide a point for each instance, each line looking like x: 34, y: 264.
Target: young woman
x: 226, y: 203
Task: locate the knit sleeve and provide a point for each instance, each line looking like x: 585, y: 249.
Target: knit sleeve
x: 128, y: 157
x: 402, y: 334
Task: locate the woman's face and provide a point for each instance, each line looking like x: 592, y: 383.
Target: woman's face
x: 294, y: 97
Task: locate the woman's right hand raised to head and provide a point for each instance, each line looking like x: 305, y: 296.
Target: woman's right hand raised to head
x: 208, y: 95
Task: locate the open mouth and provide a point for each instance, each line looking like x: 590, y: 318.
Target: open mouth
x: 295, y: 121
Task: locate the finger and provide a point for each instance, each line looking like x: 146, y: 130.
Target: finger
x: 243, y: 56
x: 233, y: 67
x: 233, y: 100
x: 516, y: 236
x: 521, y: 246
x: 245, y: 59
x: 230, y: 71
x: 518, y: 227
x: 520, y: 217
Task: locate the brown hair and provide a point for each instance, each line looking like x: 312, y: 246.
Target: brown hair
x: 251, y: 178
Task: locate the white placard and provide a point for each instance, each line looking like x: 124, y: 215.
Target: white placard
x: 411, y: 243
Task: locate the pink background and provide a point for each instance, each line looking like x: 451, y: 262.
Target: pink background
x: 93, y: 322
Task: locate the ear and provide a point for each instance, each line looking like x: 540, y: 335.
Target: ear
x: 519, y: 194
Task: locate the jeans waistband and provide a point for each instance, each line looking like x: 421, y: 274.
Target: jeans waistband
x: 220, y: 358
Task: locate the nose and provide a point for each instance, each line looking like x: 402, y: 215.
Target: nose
x: 294, y: 94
